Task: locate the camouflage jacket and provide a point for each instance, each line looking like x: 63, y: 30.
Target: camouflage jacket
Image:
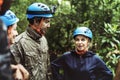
x: 31, y: 50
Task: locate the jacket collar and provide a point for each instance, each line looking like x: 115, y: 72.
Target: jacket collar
x: 87, y: 54
x: 32, y: 33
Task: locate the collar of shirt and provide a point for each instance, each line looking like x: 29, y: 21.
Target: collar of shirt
x: 33, y: 34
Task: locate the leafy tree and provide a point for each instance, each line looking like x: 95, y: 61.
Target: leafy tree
x: 101, y: 16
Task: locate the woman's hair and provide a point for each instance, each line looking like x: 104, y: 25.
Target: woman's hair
x: 3, y: 38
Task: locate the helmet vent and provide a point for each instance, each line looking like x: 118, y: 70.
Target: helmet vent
x: 42, y: 6
x: 87, y: 31
x: 9, y: 13
x: 38, y: 4
x: 46, y: 8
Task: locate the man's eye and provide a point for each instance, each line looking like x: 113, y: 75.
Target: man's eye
x: 47, y: 21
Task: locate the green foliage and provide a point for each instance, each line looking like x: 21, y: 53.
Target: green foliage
x: 101, y: 16
x: 110, y: 45
x: 19, y: 7
x: 112, y: 62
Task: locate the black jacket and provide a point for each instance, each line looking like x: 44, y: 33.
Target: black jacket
x: 5, y: 70
x: 71, y: 66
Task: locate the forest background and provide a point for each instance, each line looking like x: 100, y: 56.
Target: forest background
x: 101, y: 16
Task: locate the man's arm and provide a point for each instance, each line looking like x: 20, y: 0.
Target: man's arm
x: 117, y: 75
x: 20, y: 72
x: 16, y: 63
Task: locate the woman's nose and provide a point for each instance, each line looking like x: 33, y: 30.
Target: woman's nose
x: 15, y: 33
x: 79, y: 41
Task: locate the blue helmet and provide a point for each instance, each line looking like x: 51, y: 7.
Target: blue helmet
x: 83, y: 31
x: 9, y: 18
x: 38, y: 10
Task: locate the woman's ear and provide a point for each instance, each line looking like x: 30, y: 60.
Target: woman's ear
x: 9, y: 30
x: 90, y: 43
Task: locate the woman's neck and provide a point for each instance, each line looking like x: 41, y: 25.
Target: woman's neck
x: 81, y: 52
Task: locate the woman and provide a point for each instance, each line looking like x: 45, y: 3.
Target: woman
x: 10, y: 20
x: 80, y: 64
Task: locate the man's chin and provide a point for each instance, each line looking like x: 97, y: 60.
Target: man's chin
x: 43, y: 32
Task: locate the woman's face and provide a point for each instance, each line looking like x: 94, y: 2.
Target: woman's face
x: 81, y: 43
x: 12, y: 33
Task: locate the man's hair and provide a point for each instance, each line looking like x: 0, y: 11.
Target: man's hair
x: 5, y: 6
x: 35, y: 19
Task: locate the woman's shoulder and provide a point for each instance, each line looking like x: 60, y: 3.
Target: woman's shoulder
x: 94, y: 55
x: 90, y: 53
x: 67, y: 53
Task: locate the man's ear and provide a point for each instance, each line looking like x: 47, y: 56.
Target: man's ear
x: 36, y: 22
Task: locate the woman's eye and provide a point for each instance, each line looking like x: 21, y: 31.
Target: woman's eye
x: 76, y: 39
x: 83, y: 39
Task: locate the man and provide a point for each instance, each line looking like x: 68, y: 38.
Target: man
x: 30, y: 48
x: 10, y: 20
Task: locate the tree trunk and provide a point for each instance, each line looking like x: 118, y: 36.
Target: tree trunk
x: 117, y: 75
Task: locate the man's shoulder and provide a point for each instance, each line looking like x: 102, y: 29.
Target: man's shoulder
x: 20, y: 37
x: 43, y: 38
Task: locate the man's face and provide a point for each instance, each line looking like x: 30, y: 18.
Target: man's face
x: 12, y: 33
x: 43, y: 26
